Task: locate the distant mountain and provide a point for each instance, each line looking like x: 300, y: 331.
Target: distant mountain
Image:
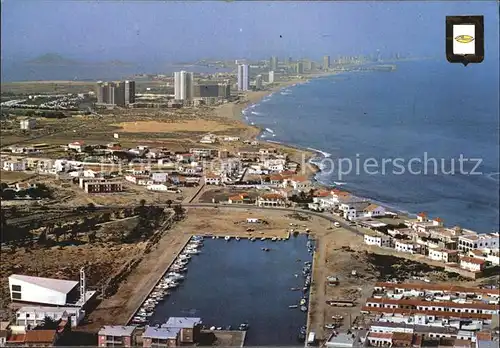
x: 116, y: 63
x: 57, y: 59
x: 52, y: 59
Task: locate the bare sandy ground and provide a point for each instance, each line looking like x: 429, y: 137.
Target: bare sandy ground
x: 194, y: 125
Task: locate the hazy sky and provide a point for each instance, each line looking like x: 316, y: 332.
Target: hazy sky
x: 174, y: 31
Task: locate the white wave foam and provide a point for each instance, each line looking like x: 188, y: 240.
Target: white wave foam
x: 325, y: 154
x: 492, y: 176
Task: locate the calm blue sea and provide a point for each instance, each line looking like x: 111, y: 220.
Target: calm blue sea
x: 19, y: 71
x: 234, y: 282
x: 425, y: 108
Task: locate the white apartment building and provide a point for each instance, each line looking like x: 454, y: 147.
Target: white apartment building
x: 378, y: 240
x: 407, y: 247
x: 478, y: 241
x: 183, y: 85
x: 243, y: 81
x: 270, y: 79
x: 27, y: 124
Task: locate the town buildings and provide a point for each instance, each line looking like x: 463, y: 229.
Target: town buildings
x: 425, y: 314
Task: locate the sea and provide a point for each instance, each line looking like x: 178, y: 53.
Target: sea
x: 234, y: 282
x: 435, y: 125
x: 21, y: 71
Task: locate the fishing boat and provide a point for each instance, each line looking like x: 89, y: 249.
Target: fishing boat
x: 244, y: 327
x: 252, y: 239
x: 227, y: 238
x: 213, y: 237
x: 273, y: 239
x: 303, y: 302
x: 237, y: 238
x: 263, y: 238
x: 303, y: 308
x: 175, y: 276
x: 192, y: 251
x: 293, y: 306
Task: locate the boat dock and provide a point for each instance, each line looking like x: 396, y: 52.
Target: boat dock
x: 160, y: 277
x: 309, y: 307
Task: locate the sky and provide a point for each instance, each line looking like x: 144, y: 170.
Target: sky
x: 181, y: 31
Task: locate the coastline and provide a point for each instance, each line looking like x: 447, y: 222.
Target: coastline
x: 297, y: 154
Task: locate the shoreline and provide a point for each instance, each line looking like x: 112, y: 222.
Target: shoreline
x: 235, y: 110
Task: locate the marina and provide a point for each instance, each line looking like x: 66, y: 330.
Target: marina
x: 225, y: 283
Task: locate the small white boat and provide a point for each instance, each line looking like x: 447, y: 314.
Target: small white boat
x: 252, y: 239
x: 227, y: 238
x: 263, y: 238
x: 174, y: 275
x: 273, y: 239
x: 237, y: 238
x: 213, y: 237
x: 212, y: 328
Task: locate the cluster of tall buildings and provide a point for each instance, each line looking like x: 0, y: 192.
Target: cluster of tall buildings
x: 185, y: 89
x: 120, y: 93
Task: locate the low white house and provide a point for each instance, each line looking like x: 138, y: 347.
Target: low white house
x: 34, y: 315
x: 142, y: 180
x: 212, y: 179
x: 157, y: 187
x: 208, y: 139
x: 14, y: 165
x: 380, y: 240
x: 373, y: 210
x: 271, y: 200
x: 473, y: 264
x: 407, y: 247
x: 443, y: 255
x: 78, y: 146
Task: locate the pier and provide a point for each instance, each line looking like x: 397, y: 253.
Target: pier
x: 148, y: 293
